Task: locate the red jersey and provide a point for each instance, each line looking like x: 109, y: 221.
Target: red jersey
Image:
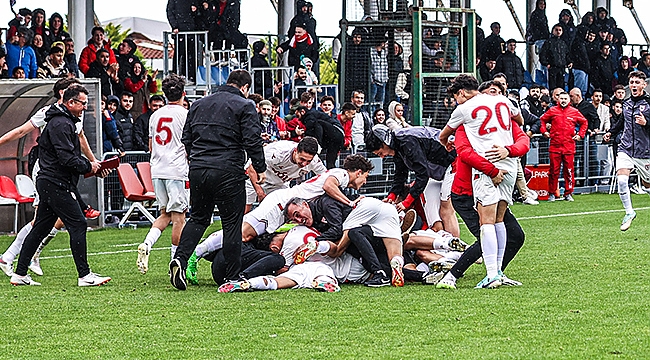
x: 347, y: 130
x: 563, y: 128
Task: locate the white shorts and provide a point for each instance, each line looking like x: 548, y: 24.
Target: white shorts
x: 171, y: 195
x: 642, y: 166
x: 380, y: 216
x: 269, y: 214
x: 346, y: 267
x: 251, y: 195
x: 303, y: 274
x: 487, y: 194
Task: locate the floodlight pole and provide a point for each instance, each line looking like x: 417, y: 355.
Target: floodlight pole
x: 630, y: 5
x: 516, y: 18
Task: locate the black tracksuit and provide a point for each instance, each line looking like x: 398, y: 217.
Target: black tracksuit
x: 328, y: 132
x: 61, y: 164
x: 254, y: 263
x: 221, y: 129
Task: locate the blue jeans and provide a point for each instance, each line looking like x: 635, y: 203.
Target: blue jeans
x: 580, y: 80
x: 377, y: 93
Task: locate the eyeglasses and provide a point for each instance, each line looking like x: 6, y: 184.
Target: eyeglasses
x: 84, y: 103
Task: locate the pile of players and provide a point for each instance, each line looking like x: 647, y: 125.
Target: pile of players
x: 318, y: 234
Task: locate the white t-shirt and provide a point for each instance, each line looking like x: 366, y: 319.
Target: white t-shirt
x: 38, y: 119
x: 168, y: 158
x: 280, y: 168
x: 487, y: 120
x: 314, y: 186
x: 296, y: 237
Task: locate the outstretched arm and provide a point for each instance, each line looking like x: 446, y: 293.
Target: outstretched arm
x: 17, y: 133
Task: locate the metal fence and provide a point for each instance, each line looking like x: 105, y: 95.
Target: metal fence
x: 188, y: 55
x: 273, y: 81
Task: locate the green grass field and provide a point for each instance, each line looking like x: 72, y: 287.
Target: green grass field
x: 585, y: 296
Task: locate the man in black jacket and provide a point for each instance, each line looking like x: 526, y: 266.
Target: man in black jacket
x: 602, y: 71
x: 141, y: 125
x: 586, y: 109
x: 263, y: 79
x: 124, y: 121
x: 555, y: 56
x: 221, y: 130
x: 510, y: 64
x: 328, y: 131
x: 181, y: 19
x: 224, y: 18
x: 61, y: 164
x: 580, y: 59
x: 301, y: 44
x: 538, y: 25
x: 418, y: 149
x: 494, y: 45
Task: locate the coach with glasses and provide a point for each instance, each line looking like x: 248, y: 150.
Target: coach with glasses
x: 221, y: 129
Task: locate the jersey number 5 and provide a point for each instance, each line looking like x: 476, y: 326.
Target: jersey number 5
x: 484, y: 130
x: 163, y: 128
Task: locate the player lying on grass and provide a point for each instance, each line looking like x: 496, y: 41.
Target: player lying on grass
x: 488, y: 122
x: 320, y: 272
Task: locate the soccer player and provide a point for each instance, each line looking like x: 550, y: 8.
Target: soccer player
x: 37, y: 121
x: 287, y: 161
x: 169, y: 168
x: 634, y: 148
x: 488, y: 121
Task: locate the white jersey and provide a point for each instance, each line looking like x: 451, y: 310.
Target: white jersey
x: 168, y: 158
x: 38, y: 119
x: 487, y: 120
x: 296, y: 237
x: 314, y: 187
x: 280, y: 168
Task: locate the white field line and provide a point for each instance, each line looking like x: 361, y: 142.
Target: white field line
x: 101, y: 253
x: 167, y: 248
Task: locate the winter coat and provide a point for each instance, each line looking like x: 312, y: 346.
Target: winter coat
x: 563, y: 129
x: 537, y: 26
x: 602, y: 75
x: 141, y: 91
x: 179, y: 14
x: 578, y: 54
x: 302, y: 48
x: 108, y: 85
x: 263, y: 79
x: 124, y: 122
x: 589, y: 112
x: 635, y: 139
x: 555, y: 52
x: 493, y: 47
x: 569, y: 29
x: 89, y: 54
x: 140, y: 136
x: 110, y: 137
x: 510, y: 64
x: 22, y: 56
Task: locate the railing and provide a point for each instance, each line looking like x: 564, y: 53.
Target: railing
x: 189, y: 50
x: 281, y: 81
x: 320, y: 91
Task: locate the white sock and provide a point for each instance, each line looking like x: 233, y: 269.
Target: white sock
x: 453, y: 255
x: 14, y: 249
x: 501, y: 243
x: 449, y: 276
x: 213, y: 243
x: 489, y: 248
x: 422, y: 267
x: 174, y: 247
x: 440, y: 243
x: 53, y: 232
x: 323, y: 247
x: 399, y: 259
x: 263, y: 283
x: 152, y: 236
x: 624, y: 193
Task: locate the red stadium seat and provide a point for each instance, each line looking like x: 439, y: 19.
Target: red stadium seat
x: 8, y: 190
x: 144, y: 171
x: 134, y: 191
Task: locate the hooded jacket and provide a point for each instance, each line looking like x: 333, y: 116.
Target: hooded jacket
x: 564, y: 122
x: 635, y: 139
x: 59, y: 35
x: 569, y: 29
x: 22, y: 56
x: 393, y: 122
x: 89, y: 54
x: 417, y: 149
x: 555, y: 52
x: 59, y: 150
x: 585, y: 23
x: 537, y: 25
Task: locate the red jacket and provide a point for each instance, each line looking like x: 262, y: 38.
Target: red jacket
x: 292, y: 125
x: 89, y: 54
x: 469, y: 159
x: 563, y: 128
x: 347, y: 130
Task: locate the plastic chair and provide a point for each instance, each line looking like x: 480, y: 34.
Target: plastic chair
x: 25, y: 186
x: 133, y: 191
x: 144, y: 171
x: 200, y: 75
x: 9, y: 196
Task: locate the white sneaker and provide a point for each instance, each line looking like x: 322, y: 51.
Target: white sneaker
x: 143, y: 258
x: 531, y: 201
x: 568, y: 198
x: 17, y: 280
x: 551, y: 198
x: 35, y: 266
x: 447, y: 282
x: 532, y: 194
x: 8, y: 269
x: 93, y: 279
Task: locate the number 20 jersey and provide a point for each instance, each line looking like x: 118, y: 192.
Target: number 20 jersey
x: 487, y: 121
x: 168, y: 159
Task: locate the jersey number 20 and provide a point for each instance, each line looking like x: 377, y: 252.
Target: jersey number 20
x: 484, y: 129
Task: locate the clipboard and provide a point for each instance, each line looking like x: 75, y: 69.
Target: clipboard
x: 111, y: 163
